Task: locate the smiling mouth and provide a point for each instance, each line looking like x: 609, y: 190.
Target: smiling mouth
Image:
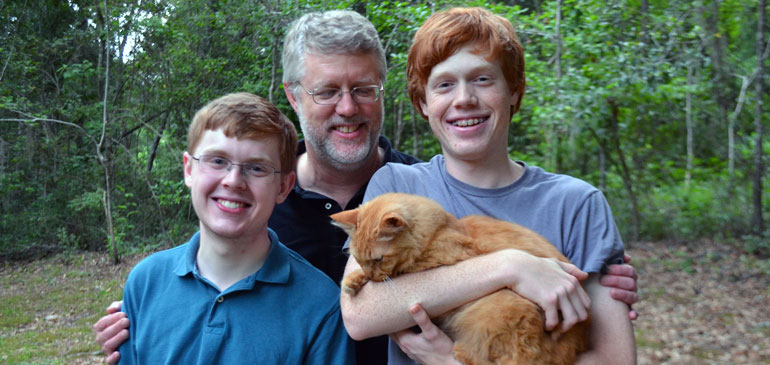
x: 347, y: 128
x: 468, y: 122
x: 230, y: 204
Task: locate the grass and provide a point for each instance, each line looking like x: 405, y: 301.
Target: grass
x: 47, y: 307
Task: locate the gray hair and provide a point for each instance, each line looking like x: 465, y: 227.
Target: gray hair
x: 337, y: 32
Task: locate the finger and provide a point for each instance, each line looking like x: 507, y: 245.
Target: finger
x: 107, y: 321
x: 626, y: 258
x: 625, y: 296
x: 114, y: 307
x: 633, y: 315
x: 577, y: 303
x: 619, y: 282
x: 569, y: 316
x: 573, y: 270
x: 114, y: 358
x: 551, y: 315
x: 111, y: 345
x: 420, y: 317
x: 622, y: 270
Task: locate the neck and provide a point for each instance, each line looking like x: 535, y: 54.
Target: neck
x: 225, y: 261
x: 485, y: 173
x: 340, y: 184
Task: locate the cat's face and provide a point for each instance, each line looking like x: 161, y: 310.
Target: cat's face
x: 388, y: 231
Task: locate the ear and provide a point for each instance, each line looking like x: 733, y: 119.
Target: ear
x: 391, y: 225
x: 287, y: 183
x: 290, y: 95
x: 514, y: 98
x: 424, y: 108
x: 346, y: 220
x: 187, y: 161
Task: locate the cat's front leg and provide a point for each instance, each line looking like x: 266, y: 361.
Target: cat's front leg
x: 353, y: 282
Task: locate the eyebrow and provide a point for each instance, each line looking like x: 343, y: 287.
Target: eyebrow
x: 220, y: 153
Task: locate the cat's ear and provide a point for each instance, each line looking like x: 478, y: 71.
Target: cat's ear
x: 346, y: 220
x: 391, y: 225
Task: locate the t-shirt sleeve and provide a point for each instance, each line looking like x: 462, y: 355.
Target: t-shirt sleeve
x: 594, y: 238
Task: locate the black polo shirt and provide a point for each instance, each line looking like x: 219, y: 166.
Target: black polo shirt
x: 302, y: 223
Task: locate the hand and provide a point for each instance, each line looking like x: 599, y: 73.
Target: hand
x: 622, y: 281
x: 554, y: 286
x: 431, y: 346
x: 111, y: 331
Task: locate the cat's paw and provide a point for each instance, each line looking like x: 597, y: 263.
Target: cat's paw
x: 353, y: 282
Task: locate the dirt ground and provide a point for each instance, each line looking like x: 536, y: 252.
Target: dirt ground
x: 701, y: 303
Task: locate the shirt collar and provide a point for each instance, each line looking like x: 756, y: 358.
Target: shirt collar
x: 276, y: 269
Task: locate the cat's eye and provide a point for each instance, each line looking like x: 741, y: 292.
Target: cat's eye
x: 377, y: 260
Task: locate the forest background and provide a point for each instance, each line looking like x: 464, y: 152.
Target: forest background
x: 657, y: 103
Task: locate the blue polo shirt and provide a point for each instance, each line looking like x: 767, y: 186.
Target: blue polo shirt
x: 286, y: 313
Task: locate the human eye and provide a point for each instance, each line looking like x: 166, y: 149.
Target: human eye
x: 484, y: 80
x: 325, y: 93
x: 365, y: 91
x: 216, y: 162
x: 257, y: 169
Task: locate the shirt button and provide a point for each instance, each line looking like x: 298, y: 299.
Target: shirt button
x: 220, y: 299
x: 328, y: 206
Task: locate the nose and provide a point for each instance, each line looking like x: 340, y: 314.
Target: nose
x: 346, y: 107
x: 465, y: 95
x: 235, y: 177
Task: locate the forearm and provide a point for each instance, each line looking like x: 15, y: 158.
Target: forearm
x: 383, y: 307
x: 611, y: 335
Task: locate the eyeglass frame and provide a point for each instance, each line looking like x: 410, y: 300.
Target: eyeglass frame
x: 379, y: 89
x: 242, y: 166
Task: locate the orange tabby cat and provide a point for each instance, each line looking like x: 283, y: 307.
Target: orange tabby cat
x: 399, y: 233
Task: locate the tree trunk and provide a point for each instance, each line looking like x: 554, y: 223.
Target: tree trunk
x: 103, y: 147
x: 415, y: 135
x: 758, y: 223
x: 552, y: 138
x: 689, y: 123
x: 154, y: 150
x: 399, y: 126
x: 625, y: 173
x: 710, y: 21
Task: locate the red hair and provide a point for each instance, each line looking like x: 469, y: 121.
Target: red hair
x: 444, y: 33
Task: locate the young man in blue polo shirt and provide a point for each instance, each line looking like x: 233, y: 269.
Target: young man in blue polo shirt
x: 233, y: 293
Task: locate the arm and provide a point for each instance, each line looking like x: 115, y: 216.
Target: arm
x: 611, y: 336
x: 621, y: 279
x: 111, y: 331
x: 382, y: 308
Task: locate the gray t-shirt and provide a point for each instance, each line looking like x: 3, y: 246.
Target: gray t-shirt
x: 570, y: 213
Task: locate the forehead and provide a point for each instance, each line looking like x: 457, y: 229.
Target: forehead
x: 465, y: 60
x: 341, y: 69
x: 215, y: 141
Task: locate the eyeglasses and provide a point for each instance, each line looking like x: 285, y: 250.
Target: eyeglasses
x: 220, y: 166
x: 332, y: 96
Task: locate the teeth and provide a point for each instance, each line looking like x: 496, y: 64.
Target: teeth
x: 467, y: 122
x: 231, y: 204
x: 348, y: 128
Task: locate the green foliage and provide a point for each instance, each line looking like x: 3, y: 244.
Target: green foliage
x: 613, y: 113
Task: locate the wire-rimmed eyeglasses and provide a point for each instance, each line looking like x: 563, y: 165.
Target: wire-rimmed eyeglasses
x: 212, y: 164
x: 331, y: 96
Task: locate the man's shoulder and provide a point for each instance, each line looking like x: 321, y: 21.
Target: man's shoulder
x: 159, y: 263
x: 557, y: 182
x: 403, y: 158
